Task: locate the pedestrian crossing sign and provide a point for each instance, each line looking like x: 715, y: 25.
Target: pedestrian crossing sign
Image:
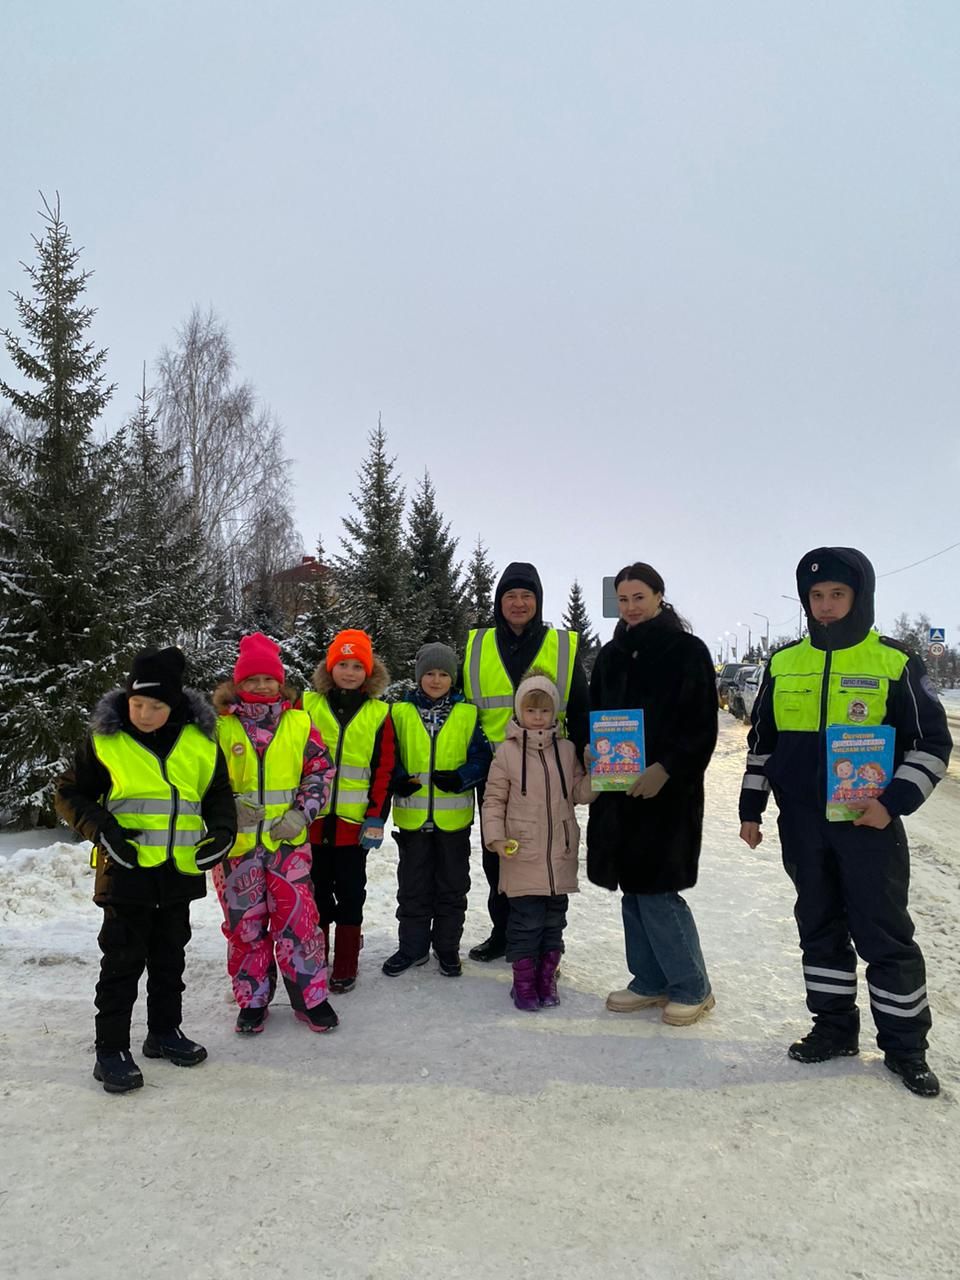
x: 938, y: 635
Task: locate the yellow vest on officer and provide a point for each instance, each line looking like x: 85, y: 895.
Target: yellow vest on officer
x: 814, y: 688
x: 158, y: 801
x: 271, y: 779
x: 422, y: 754
x: 352, y: 749
x: 488, y: 686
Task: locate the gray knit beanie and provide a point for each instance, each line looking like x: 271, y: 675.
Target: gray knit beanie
x: 435, y: 657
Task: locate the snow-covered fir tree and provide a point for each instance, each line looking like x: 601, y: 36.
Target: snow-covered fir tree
x: 478, y: 585
x: 57, y: 623
x: 435, y: 576
x: 373, y: 571
x: 576, y: 618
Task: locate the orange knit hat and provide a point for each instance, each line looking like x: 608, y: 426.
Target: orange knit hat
x: 349, y: 646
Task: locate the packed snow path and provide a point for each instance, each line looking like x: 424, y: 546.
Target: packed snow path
x: 439, y: 1133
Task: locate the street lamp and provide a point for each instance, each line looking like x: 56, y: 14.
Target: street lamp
x: 766, y: 637
x: 746, y: 626
x: 799, y: 615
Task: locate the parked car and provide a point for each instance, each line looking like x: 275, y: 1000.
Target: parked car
x: 735, y: 692
x: 725, y: 677
x: 751, y: 687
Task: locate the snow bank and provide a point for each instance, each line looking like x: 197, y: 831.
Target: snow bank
x: 41, y: 884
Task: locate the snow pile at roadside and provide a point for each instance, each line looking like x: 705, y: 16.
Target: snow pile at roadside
x: 41, y: 884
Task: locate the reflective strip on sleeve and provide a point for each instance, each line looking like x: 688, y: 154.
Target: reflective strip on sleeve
x: 757, y: 761
x: 933, y: 764
x: 919, y: 779
x: 564, y: 647
x: 754, y: 782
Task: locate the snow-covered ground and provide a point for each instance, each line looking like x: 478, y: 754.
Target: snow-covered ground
x: 439, y: 1133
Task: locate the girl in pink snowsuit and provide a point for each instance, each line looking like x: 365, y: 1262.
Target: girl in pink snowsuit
x: 281, y: 773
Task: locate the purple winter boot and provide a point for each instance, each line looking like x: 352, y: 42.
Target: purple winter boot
x: 524, y: 989
x: 547, y: 979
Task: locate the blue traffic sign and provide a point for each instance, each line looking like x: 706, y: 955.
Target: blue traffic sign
x: 938, y: 635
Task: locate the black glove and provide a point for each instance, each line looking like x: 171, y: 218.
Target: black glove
x: 448, y: 779
x: 118, y: 848
x: 213, y: 848
x: 405, y: 786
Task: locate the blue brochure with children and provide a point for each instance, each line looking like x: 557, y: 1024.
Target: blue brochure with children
x: 616, y: 740
x: 859, y: 766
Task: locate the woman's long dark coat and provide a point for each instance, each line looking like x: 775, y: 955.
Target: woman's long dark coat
x: 653, y: 846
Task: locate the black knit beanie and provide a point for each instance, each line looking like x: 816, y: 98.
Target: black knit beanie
x: 158, y: 673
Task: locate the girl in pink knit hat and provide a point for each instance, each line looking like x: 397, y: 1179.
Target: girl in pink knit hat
x: 281, y: 775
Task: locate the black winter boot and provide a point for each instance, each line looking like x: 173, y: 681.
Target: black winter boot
x: 175, y: 1047
x: 250, y: 1021
x: 399, y: 962
x: 493, y: 949
x: 914, y: 1073
x: 320, y: 1018
x: 817, y: 1047
x: 117, y: 1072
x: 449, y: 962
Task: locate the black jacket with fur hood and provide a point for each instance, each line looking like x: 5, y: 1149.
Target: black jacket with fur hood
x: 79, y: 792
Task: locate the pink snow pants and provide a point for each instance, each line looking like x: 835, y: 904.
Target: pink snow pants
x: 267, y: 901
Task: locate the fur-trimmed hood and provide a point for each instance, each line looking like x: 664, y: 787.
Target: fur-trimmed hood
x: 108, y: 714
x: 374, y: 685
x: 225, y: 695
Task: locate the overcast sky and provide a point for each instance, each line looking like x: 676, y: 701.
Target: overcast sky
x: 673, y: 282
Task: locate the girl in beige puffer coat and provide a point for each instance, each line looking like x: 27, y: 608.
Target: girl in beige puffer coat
x: 529, y: 820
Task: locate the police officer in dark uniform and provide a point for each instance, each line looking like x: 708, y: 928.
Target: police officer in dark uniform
x: 851, y: 877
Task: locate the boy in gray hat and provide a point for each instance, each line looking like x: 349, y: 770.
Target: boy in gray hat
x: 442, y: 754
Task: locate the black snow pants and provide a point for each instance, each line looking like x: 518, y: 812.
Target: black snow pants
x: 133, y: 937
x: 498, y: 904
x: 536, y: 924
x: 852, y: 885
x: 433, y: 880
x: 339, y: 875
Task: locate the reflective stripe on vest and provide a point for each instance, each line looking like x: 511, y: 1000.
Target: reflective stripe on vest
x: 156, y: 801
x: 352, y: 752
x: 271, y: 779
x: 423, y: 755
x: 488, y: 686
x: 857, y: 684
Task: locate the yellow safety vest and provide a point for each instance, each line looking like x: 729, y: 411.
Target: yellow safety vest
x: 158, y: 801
x: 422, y: 754
x: 814, y: 688
x: 352, y: 752
x: 488, y: 686
x: 271, y: 779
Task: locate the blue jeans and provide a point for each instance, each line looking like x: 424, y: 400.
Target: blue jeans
x: 663, y: 948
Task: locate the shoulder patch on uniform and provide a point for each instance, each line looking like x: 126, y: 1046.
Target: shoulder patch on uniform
x: 929, y: 688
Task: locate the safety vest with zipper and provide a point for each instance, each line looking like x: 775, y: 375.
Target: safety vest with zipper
x: 814, y: 688
x: 158, y: 801
x: 352, y: 746
x: 422, y: 753
x: 270, y: 779
x: 487, y: 684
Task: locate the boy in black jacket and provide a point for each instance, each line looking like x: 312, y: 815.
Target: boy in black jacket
x: 150, y: 789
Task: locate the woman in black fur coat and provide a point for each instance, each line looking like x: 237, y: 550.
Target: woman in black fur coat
x: 646, y: 842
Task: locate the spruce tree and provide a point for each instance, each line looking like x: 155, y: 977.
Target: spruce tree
x: 435, y: 578
x: 577, y: 619
x: 57, y: 634
x: 478, y: 587
x: 373, y: 572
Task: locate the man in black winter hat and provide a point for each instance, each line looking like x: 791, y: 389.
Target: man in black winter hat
x: 851, y: 877
x: 496, y: 660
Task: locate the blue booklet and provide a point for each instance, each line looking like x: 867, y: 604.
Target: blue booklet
x: 859, y: 766
x: 616, y: 740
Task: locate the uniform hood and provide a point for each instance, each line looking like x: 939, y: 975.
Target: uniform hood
x: 522, y: 575
x: 110, y: 714
x: 373, y: 686
x: 855, y: 627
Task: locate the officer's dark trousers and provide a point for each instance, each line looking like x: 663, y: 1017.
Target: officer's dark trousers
x: 497, y: 903
x: 433, y: 880
x: 852, y: 887
x: 134, y: 937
